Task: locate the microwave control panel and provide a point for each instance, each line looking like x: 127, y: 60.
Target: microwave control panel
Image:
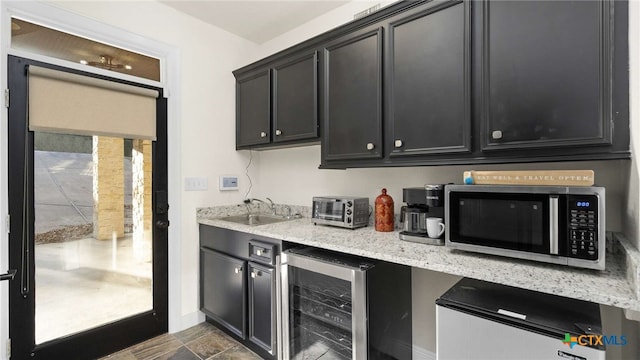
x: 583, y: 227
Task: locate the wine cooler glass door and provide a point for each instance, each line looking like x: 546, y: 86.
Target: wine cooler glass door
x: 324, y: 310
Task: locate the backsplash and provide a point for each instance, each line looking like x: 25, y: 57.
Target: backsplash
x: 281, y: 209
x: 238, y: 209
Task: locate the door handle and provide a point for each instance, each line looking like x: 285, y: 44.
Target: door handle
x: 9, y: 275
x: 162, y: 224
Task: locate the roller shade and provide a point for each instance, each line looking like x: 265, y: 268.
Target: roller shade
x: 68, y: 103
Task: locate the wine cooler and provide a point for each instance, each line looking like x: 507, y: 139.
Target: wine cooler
x: 336, y: 306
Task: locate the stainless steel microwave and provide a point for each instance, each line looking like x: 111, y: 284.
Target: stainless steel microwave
x: 344, y: 211
x: 553, y: 224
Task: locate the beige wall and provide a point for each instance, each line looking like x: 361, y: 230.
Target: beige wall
x: 426, y: 287
x: 279, y: 170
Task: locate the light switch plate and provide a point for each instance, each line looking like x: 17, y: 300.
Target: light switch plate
x: 196, y: 184
x: 228, y: 182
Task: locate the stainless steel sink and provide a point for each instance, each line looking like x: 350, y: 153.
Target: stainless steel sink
x: 254, y: 220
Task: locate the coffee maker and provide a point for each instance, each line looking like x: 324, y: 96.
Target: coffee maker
x: 422, y: 203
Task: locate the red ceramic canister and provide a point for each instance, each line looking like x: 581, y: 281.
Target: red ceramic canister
x: 384, y: 212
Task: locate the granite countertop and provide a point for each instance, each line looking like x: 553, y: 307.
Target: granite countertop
x: 614, y: 286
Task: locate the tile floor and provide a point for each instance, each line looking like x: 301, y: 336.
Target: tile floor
x: 201, y: 342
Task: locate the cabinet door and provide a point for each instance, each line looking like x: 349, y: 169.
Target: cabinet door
x: 262, y: 312
x: 352, y: 124
x: 222, y: 290
x: 429, y: 82
x: 295, y: 99
x: 253, y: 110
x: 547, y: 74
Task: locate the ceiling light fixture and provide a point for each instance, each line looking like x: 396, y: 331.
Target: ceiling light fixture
x: 106, y: 62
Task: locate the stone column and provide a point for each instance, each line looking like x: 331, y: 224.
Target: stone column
x: 108, y: 187
x: 141, y: 190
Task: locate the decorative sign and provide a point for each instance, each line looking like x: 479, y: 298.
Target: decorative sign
x: 530, y: 177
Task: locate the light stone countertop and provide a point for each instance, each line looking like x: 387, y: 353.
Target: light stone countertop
x: 608, y: 287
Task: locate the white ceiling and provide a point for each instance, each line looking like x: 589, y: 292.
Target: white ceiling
x: 255, y: 20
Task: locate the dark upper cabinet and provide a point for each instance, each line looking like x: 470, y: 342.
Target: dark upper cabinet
x: 253, y: 110
x: 352, y: 96
x: 278, y: 103
x: 429, y: 105
x: 439, y: 82
x: 295, y: 98
x: 223, y: 290
x: 546, y: 74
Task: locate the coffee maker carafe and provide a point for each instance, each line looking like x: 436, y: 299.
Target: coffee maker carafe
x: 422, y: 203
x: 414, y: 219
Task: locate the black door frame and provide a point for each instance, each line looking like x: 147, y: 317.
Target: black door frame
x: 108, y: 338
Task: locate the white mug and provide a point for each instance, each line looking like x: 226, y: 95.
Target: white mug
x: 435, y: 227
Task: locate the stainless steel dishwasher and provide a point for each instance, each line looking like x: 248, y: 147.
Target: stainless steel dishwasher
x: 337, y: 306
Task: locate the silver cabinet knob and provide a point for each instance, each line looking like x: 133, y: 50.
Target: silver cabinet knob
x: 496, y: 134
x: 370, y: 146
x: 263, y: 134
x: 398, y: 143
x: 237, y: 270
x: 278, y: 132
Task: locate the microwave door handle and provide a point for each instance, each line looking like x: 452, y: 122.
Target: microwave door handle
x: 553, y: 225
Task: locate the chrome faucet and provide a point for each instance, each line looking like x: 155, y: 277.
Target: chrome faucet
x: 288, y: 211
x: 270, y: 205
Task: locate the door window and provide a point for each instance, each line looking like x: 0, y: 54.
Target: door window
x: 93, y: 243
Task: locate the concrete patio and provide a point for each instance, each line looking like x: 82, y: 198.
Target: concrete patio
x: 81, y: 282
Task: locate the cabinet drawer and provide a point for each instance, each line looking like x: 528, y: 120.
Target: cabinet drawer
x: 262, y: 252
x: 239, y: 244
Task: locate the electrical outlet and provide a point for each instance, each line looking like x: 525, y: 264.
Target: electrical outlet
x: 196, y: 184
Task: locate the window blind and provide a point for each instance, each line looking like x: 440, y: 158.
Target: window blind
x: 68, y: 103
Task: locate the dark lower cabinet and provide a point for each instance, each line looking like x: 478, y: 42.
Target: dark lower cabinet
x: 238, y: 286
x: 352, y: 123
x: 224, y: 290
x: 262, y: 287
x: 428, y: 73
